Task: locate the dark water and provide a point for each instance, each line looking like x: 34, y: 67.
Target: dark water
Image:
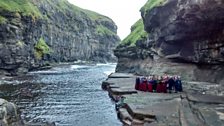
x: 70, y: 96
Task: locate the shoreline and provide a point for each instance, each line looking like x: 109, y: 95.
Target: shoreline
x: 145, y: 108
x: 6, y: 73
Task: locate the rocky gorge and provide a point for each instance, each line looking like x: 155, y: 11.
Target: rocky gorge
x: 43, y: 34
x: 180, y: 37
x: 38, y: 33
x: 174, y: 37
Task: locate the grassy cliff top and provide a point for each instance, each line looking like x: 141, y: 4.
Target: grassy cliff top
x: 64, y: 6
x: 23, y: 6
x: 137, y: 30
x: 30, y: 8
x: 137, y: 33
x: 151, y: 4
x: 27, y: 7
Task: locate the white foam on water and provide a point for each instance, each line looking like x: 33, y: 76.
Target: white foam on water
x: 112, y: 70
x: 101, y: 64
x: 105, y: 64
x: 108, y: 72
x: 221, y: 115
x: 44, y: 72
x: 78, y: 66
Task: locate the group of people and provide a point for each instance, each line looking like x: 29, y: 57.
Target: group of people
x: 159, y: 84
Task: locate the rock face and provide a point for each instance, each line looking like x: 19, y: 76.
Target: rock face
x: 33, y: 34
x: 185, y: 38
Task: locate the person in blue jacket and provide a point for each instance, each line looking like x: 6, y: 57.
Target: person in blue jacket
x: 178, y: 84
x: 171, y: 84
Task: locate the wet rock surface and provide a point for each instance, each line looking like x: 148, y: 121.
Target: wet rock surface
x: 163, y: 109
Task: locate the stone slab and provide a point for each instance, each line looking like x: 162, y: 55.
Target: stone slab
x: 121, y: 75
x: 209, y: 99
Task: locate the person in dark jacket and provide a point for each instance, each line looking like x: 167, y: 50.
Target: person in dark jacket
x: 154, y: 83
x: 171, y: 83
x: 137, y: 83
x: 178, y: 84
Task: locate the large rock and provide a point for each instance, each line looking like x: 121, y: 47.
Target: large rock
x: 185, y: 38
x: 181, y: 30
x: 8, y: 114
x: 71, y: 33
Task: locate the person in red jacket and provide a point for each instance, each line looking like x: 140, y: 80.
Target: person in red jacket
x: 159, y: 87
x: 165, y: 79
x: 144, y: 84
x: 149, y: 85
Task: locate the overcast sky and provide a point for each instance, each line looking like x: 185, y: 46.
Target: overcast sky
x: 123, y: 12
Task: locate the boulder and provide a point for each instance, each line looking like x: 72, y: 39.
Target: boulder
x: 9, y: 114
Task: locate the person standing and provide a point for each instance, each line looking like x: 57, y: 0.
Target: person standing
x: 171, y: 84
x: 178, y: 84
x: 154, y: 83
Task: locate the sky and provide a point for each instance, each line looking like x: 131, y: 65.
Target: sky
x: 123, y: 12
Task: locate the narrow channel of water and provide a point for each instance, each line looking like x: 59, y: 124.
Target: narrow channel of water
x: 69, y: 95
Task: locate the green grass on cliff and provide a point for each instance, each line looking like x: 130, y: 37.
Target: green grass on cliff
x: 2, y: 19
x: 23, y: 6
x: 102, y: 30
x: 29, y: 8
x: 151, y: 4
x: 95, y: 16
x: 137, y: 33
x: 41, y: 48
x: 65, y: 7
x: 26, y: 7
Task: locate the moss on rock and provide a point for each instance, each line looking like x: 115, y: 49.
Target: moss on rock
x: 28, y: 8
x: 64, y: 6
x: 2, y: 20
x: 41, y: 48
x: 137, y: 33
x: 151, y: 4
x: 23, y: 6
x: 102, y: 30
x: 20, y: 43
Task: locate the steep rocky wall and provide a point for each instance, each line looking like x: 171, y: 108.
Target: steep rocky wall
x: 185, y: 38
x: 54, y: 31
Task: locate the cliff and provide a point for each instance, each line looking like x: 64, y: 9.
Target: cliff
x: 34, y: 34
x: 184, y: 37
